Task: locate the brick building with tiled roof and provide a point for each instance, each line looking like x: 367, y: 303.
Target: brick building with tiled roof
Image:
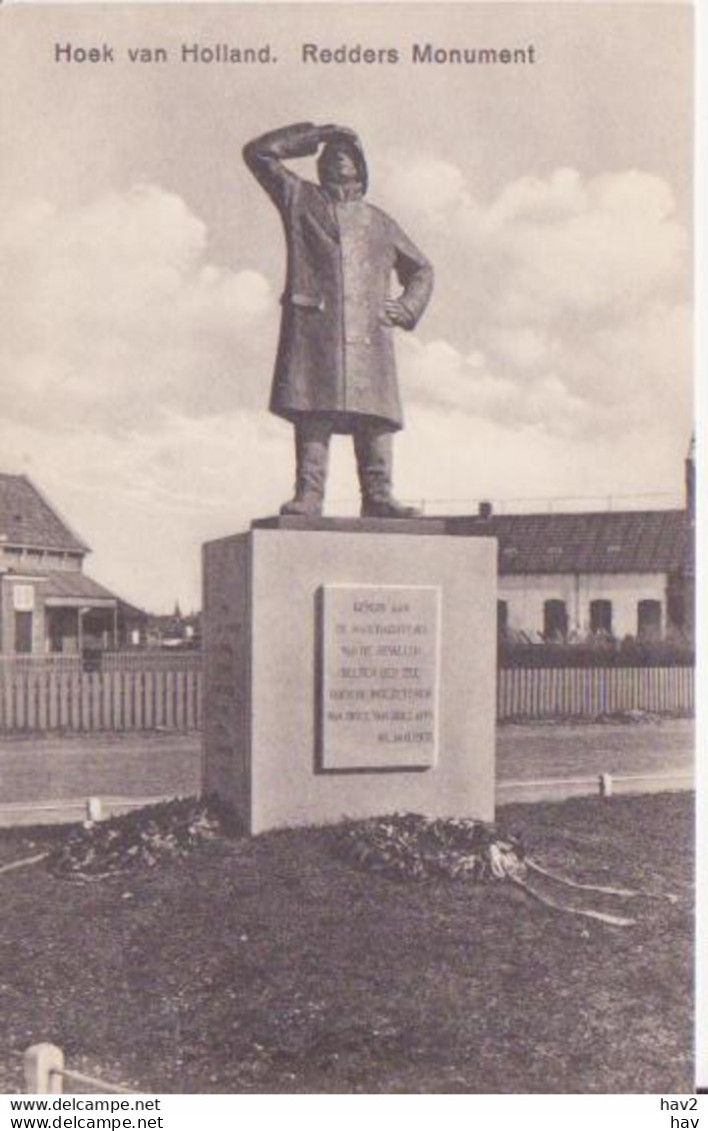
x: 623, y: 573
x: 47, y: 603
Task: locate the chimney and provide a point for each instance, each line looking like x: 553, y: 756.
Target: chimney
x: 485, y: 509
x: 690, y: 478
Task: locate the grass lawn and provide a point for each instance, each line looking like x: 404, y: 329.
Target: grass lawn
x: 271, y: 965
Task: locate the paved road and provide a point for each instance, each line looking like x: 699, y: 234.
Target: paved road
x: 51, y: 768
x: 563, y: 751
x: 121, y: 765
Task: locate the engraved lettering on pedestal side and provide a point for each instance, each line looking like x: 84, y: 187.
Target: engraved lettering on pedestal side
x: 380, y: 671
x: 225, y: 713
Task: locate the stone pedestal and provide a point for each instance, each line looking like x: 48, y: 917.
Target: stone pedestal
x: 350, y: 671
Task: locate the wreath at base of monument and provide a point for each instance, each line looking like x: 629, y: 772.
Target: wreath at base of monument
x: 133, y: 841
x: 406, y: 847
x: 410, y: 847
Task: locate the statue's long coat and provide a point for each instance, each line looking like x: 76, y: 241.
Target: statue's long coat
x: 335, y: 353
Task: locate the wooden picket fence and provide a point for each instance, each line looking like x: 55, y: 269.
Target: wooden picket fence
x: 146, y: 692
x: 540, y: 693
x: 54, y: 694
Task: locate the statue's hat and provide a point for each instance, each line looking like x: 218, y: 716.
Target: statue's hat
x: 351, y: 143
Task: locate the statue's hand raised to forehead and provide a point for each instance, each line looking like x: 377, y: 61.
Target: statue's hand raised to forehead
x: 328, y: 133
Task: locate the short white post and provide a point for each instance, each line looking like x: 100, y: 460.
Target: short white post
x: 44, y: 1065
x: 94, y: 810
x: 605, y: 785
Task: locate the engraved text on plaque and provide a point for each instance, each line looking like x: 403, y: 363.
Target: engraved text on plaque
x: 379, y: 676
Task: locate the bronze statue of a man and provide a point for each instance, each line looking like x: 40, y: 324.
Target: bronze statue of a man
x: 335, y: 369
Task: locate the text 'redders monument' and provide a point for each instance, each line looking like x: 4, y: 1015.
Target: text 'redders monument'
x: 349, y: 663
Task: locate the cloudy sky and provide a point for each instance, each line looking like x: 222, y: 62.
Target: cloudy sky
x: 140, y: 264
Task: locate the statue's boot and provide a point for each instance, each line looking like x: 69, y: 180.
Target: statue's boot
x: 374, y: 459
x: 312, y: 437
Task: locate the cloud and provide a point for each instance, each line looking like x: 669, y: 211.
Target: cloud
x: 568, y: 298
x: 603, y: 257
x: 428, y: 187
x: 452, y: 460
x: 439, y: 375
x: 555, y: 356
x: 146, y: 499
x: 112, y: 314
x: 542, y: 249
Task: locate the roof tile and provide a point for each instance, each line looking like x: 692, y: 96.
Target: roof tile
x: 591, y: 542
x: 27, y: 519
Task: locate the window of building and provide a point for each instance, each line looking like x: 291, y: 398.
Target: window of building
x: 23, y: 632
x: 502, y: 619
x: 676, y: 605
x: 649, y: 619
x: 601, y: 616
x: 555, y: 620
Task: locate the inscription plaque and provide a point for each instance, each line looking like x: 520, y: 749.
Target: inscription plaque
x: 379, y: 676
